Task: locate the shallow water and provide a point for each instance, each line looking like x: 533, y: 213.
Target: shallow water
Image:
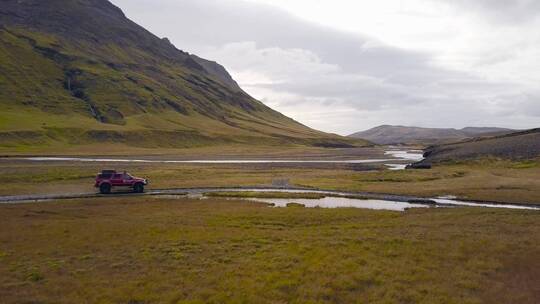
x: 341, y: 202
x: 396, y: 167
x: 333, y: 200
x: 202, y: 161
x: 414, y: 155
x: 411, y: 155
x: 448, y: 201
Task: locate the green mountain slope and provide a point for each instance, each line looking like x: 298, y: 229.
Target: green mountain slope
x: 78, y: 72
x: 518, y: 146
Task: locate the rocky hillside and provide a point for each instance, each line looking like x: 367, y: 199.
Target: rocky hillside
x: 386, y: 134
x: 79, y: 72
x: 519, y: 145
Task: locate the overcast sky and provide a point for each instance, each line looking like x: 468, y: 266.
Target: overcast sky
x: 344, y: 66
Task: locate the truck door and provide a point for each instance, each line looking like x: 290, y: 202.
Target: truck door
x: 127, y: 179
x: 117, y: 180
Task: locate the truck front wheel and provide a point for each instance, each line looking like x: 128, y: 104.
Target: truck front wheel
x: 138, y: 188
x: 105, y: 188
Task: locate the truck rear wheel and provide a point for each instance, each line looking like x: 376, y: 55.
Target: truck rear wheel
x: 105, y: 188
x: 138, y: 188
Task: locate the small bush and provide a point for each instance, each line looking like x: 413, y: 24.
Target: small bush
x: 295, y: 205
x: 35, y: 276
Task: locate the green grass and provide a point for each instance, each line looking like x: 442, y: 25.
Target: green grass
x: 152, y: 250
x: 527, y: 164
x: 498, y: 181
x: 26, y: 130
x: 295, y: 205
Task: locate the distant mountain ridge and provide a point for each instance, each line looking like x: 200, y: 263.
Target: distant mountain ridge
x: 387, y: 134
x: 79, y: 72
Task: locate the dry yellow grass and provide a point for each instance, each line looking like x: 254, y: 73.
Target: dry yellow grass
x: 152, y: 250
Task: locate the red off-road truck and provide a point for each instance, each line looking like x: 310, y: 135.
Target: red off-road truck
x: 108, y: 179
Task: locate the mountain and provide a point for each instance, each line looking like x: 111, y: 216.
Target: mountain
x: 79, y: 72
x: 386, y: 134
x: 473, y: 131
x: 518, y: 145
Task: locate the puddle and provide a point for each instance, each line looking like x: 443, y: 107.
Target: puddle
x: 28, y: 201
x: 396, y: 167
x: 333, y: 200
x: 341, y: 202
x: 171, y: 196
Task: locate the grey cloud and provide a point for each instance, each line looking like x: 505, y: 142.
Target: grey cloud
x: 319, y: 68
x: 217, y: 22
x: 505, y: 11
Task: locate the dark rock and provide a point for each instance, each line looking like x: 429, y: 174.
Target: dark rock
x: 419, y: 165
x: 422, y: 201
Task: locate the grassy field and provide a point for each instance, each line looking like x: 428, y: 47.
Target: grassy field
x: 152, y: 250
x: 492, y: 180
